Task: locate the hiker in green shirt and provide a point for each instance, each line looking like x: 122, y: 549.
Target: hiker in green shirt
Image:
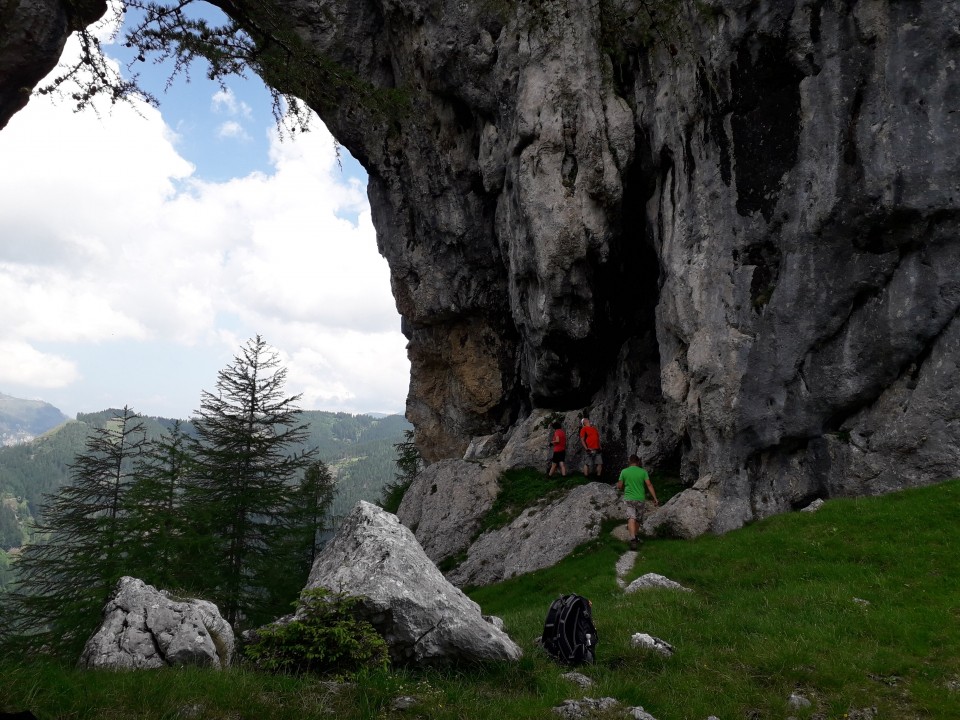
x: 634, y: 481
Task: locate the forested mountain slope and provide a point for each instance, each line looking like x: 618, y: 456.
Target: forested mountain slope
x: 357, y: 448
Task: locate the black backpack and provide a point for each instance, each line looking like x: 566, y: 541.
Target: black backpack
x: 568, y: 632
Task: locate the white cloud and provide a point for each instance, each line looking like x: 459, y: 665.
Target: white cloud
x: 376, y: 359
x: 108, y: 236
x: 226, y: 101
x: 232, y: 130
x: 24, y: 365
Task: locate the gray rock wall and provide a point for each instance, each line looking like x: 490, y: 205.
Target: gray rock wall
x: 732, y: 233
x: 727, y: 226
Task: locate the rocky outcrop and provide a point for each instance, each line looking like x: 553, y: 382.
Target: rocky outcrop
x: 727, y: 227
x: 730, y: 228
x: 540, y: 537
x: 145, y: 628
x: 446, y: 503
x: 423, y: 618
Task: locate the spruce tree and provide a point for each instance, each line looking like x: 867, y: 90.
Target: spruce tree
x: 308, y: 523
x: 159, y: 539
x: 409, y: 463
x: 310, y: 514
x: 64, y: 577
x: 245, y: 473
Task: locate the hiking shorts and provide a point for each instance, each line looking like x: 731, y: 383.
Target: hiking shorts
x: 560, y: 456
x: 636, y: 510
x: 592, y: 458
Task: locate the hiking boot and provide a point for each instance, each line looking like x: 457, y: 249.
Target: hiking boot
x: 633, y: 543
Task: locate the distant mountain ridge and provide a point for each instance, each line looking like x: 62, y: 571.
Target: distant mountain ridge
x: 23, y: 420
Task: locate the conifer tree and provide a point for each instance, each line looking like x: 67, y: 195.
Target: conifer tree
x: 311, y: 511
x: 409, y: 463
x: 65, y: 576
x: 158, y: 536
x: 308, y: 523
x: 244, y: 475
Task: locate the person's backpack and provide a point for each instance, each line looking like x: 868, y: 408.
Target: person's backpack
x: 568, y: 632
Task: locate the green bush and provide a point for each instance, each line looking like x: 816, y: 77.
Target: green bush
x: 327, y: 638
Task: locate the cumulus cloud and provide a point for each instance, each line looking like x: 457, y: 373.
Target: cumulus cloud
x: 25, y: 365
x: 109, y: 235
x: 232, y: 130
x: 226, y: 101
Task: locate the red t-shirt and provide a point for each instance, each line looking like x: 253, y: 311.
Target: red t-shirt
x: 559, y: 441
x: 590, y: 437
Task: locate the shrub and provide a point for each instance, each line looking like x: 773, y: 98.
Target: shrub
x: 327, y: 637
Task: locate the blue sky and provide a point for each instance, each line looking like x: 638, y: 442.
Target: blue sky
x: 139, y: 249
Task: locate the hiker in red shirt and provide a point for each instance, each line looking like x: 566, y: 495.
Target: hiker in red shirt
x: 559, y: 444
x: 590, y: 439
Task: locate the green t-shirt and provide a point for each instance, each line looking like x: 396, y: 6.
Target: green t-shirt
x: 634, y: 481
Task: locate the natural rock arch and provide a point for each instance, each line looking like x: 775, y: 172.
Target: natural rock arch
x: 730, y: 227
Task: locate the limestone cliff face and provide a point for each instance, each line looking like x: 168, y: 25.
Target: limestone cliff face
x: 731, y: 232
x: 729, y: 227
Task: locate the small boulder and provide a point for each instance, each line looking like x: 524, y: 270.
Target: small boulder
x: 483, y: 447
x: 423, y: 618
x: 655, y: 581
x: 585, y: 707
x: 578, y: 679
x: 661, y: 647
x: 814, y: 506
x: 145, y: 628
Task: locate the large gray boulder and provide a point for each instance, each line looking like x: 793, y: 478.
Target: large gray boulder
x: 445, y: 503
x: 145, y: 628
x: 542, y: 536
x: 423, y: 618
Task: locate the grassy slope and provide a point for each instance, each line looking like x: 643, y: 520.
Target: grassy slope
x: 773, y: 613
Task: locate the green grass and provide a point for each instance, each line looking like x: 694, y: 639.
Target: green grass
x: 773, y: 612
x: 522, y: 487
